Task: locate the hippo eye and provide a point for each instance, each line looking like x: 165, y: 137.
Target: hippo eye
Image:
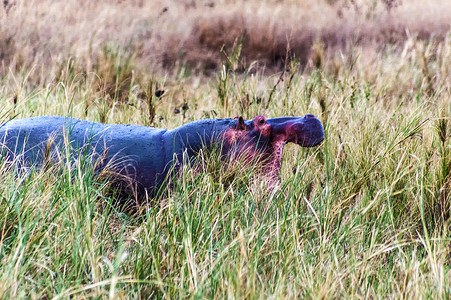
x: 261, y: 121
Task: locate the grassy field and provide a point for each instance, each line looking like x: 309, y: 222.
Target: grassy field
x: 364, y: 215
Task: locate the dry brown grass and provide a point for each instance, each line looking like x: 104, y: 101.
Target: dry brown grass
x: 165, y: 34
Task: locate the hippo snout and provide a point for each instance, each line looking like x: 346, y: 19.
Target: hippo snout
x: 307, y: 132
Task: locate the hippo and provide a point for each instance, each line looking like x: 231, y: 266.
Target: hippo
x: 143, y: 156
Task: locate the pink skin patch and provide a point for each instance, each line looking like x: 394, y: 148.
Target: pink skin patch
x: 255, y: 143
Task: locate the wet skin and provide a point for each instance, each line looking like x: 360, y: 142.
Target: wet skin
x: 144, y: 155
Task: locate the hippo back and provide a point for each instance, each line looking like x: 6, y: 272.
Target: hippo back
x: 135, y: 151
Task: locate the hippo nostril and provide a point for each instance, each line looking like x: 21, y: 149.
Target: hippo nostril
x: 309, y: 116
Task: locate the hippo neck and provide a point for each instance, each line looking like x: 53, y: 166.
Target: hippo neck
x: 209, y: 130
x: 194, y: 136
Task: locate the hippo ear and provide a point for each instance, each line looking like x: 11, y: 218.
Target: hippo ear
x: 240, y: 125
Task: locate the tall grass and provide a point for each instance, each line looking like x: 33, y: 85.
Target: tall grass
x: 364, y: 215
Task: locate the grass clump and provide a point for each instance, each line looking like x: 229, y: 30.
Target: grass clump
x: 114, y: 70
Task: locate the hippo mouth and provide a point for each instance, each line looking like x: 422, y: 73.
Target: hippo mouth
x: 305, y: 131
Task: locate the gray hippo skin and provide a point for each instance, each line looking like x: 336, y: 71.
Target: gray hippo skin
x: 144, y: 155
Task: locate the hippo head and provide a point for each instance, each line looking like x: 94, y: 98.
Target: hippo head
x: 263, y: 139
